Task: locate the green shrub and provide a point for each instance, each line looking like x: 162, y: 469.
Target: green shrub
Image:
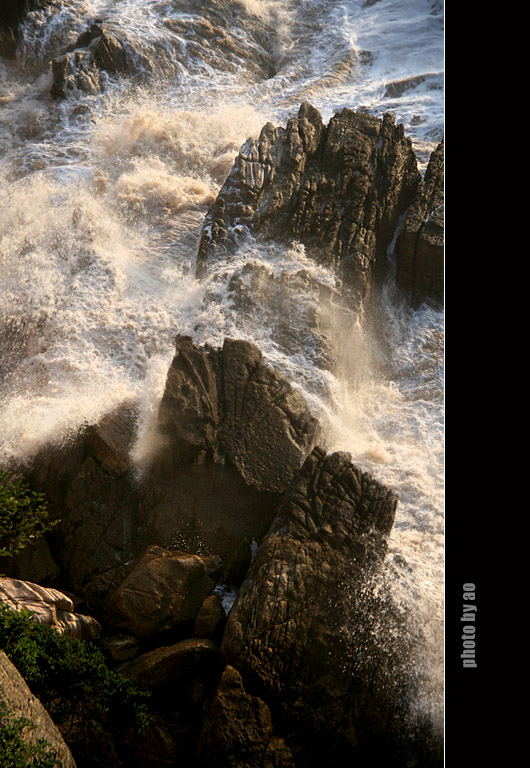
x: 15, y: 752
x: 69, y: 676
x: 24, y: 515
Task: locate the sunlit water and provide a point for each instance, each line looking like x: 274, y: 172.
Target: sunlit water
x: 102, y: 200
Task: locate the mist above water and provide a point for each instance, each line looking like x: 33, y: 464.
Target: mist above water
x: 103, y: 198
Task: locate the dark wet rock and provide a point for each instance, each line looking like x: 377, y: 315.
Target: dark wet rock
x: 420, y: 245
x: 338, y: 189
x: 225, y: 36
x: 210, y: 619
x: 12, y: 15
x: 91, y: 489
x: 237, y: 730
x: 234, y: 433
x: 120, y: 648
x: 171, y: 664
x: 163, y: 593
x: 95, y: 51
x: 288, y: 632
x: 21, y: 703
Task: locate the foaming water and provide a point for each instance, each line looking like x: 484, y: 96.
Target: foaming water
x: 103, y: 197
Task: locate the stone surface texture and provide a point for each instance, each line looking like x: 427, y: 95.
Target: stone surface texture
x: 288, y: 630
x: 338, y: 189
x: 21, y: 703
x: 48, y: 606
x: 420, y: 245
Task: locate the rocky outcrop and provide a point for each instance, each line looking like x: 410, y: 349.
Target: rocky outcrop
x: 237, y: 730
x: 338, y: 189
x: 288, y: 632
x: 234, y: 432
x: 48, y: 606
x: 90, y: 486
x: 95, y: 51
x: 21, y: 703
x: 420, y: 245
x: 163, y: 593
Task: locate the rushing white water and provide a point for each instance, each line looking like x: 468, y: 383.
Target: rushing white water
x: 102, y: 199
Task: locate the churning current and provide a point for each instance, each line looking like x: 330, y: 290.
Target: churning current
x: 102, y: 198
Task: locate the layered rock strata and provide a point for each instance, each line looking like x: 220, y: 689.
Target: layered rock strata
x: 338, y: 189
x: 48, y: 606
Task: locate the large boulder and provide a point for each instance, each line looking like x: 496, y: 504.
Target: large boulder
x: 420, y: 245
x: 163, y: 593
x: 19, y: 702
x: 289, y: 630
x: 338, y: 189
x: 171, y: 664
x: 234, y: 433
x: 48, y: 606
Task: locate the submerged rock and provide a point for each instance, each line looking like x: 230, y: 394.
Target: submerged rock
x: 95, y: 51
x: 12, y: 15
x: 338, y: 189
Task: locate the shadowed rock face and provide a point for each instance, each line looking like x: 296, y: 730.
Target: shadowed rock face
x: 235, y: 433
x: 288, y: 630
x: 163, y: 592
x: 338, y: 189
x: 420, y: 245
x: 237, y: 730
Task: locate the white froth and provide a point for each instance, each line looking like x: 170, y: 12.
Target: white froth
x: 103, y: 199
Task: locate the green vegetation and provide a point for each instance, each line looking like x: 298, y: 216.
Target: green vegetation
x: 15, y: 752
x: 24, y: 515
x: 70, y: 677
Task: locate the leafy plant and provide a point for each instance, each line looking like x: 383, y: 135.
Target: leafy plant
x: 15, y: 751
x: 69, y: 676
x: 24, y: 515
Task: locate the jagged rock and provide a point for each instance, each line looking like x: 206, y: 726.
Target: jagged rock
x: 420, y: 245
x: 237, y: 730
x: 172, y: 663
x: 94, y: 51
x: 163, y: 592
x: 338, y: 189
x: 288, y: 630
x: 21, y: 703
x: 235, y: 432
x: 48, y: 606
